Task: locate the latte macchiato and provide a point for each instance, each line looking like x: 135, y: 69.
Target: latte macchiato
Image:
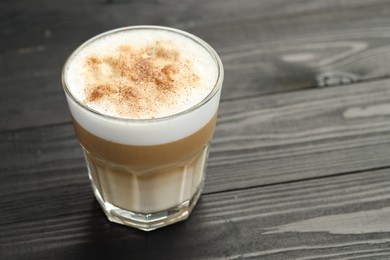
x: 144, y: 103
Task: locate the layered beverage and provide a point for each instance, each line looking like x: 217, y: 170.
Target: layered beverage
x: 144, y: 103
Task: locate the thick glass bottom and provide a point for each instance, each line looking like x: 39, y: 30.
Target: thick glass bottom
x: 150, y: 221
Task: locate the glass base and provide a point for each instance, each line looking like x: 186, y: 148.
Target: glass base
x: 150, y: 221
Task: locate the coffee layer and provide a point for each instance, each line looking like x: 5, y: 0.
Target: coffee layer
x: 147, y: 179
x: 145, y: 156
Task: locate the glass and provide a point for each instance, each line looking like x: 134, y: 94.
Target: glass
x: 144, y: 182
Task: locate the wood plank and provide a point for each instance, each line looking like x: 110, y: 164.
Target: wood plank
x: 315, y: 45
x: 41, y: 15
x: 301, y: 134
x: 339, y: 217
x: 258, y: 141
x: 203, y: 11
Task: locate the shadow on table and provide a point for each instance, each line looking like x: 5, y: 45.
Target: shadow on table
x: 183, y: 240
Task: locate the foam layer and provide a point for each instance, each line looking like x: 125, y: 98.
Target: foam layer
x: 138, y: 74
x: 141, y: 75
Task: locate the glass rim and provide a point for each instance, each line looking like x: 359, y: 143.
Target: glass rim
x: 217, y: 85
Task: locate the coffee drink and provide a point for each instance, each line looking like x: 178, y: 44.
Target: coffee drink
x: 144, y: 103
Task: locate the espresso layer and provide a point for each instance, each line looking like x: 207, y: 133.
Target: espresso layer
x: 146, y: 156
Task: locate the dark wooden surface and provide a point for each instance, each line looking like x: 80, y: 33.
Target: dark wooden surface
x: 300, y: 161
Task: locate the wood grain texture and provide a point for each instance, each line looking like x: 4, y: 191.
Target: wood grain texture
x: 299, y: 166
x: 306, y: 133
x: 279, y: 46
x: 343, y: 217
x: 258, y: 141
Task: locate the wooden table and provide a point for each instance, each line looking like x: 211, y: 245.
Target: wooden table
x: 300, y: 161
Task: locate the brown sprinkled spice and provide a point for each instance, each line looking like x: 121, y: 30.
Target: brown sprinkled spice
x: 128, y: 93
x: 169, y: 70
x: 130, y: 74
x: 142, y: 70
x: 124, y: 48
x: 163, y: 84
x: 93, y: 61
x: 164, y: 53
x: 99, y: 91
x: 195, y: 77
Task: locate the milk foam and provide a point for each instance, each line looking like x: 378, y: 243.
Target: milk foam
x: 148, y: 102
